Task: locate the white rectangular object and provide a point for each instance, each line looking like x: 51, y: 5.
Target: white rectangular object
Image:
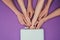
x: 32, y: 34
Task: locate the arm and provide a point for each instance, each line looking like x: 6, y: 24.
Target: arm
x: 45, y: 10
x: 10, y: 4
x: 30, y: 10
x: 21, y: 4
x: 52, y: 15
x: 37, y: 11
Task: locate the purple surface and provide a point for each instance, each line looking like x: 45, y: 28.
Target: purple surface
x: 10, y: 27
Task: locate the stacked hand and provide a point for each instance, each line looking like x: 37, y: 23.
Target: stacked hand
x: 32, y: 19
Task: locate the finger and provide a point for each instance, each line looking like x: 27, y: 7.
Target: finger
x: 28, y: 12
x: 26, y: 27
x: 31, y: 14
x: 40, y: 23
x: 37, y: 11
x: 36, y: 24
x: 42, y: 15
x: 21, y: 20
x: 46, y: 14
x: 27, y: 24
x: 32, y: 27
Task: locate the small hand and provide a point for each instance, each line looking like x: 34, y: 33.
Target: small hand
x: 30, y: 11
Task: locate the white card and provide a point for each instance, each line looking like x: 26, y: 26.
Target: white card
x: 32, y: 34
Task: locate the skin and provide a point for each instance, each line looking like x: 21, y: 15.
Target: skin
x: 21, y: 4
x: 52, y: 15
x: 37, y: 11
x: 19, y: 15
x: 23, y: 18
x: 44, y: 12
x: 30, y: 10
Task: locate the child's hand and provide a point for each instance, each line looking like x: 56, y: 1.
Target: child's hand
x: 30, y: 11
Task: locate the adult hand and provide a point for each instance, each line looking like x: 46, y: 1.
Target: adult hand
x: 43, y: 14
x: 22, y: 20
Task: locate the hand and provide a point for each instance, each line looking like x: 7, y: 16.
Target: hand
x: 40, y: 23
x: 43, y: 14
x: 30, y: 11
x: 22, y: 19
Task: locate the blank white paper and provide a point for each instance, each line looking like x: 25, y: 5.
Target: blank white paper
x: 32, y: 34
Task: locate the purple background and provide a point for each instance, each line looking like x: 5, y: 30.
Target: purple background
x: 10, y: 27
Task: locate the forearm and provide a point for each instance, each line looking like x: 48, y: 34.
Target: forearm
x: 29, y: 2
x: 21, y: 4
x: 37, y: 10
x: 10, y: 4
x: 53, y: 14
x: 48, y: 3
x: 47, y: 6
x: 44, y: 12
